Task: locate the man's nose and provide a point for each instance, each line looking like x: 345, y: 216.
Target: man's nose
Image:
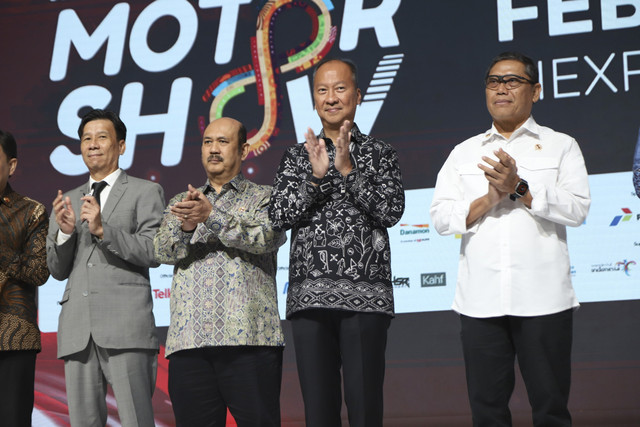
x: 214, y: 147
x: 502, y: 88
x: 332, y: 97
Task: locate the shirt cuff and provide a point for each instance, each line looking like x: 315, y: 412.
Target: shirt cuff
x: 459, y: 215
x: 325, y: 186
x: 62, y: 237
x: 213, y: 224
x: 539, y: 202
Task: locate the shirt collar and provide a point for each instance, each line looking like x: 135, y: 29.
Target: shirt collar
x: 109, y: 179
x: 356, y: 135
x: 529, y: 126
x: 238, y: 183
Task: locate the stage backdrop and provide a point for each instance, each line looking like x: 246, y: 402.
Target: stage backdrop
x: 169, y: 67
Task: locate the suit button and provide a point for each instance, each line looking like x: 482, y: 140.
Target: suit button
x: 90, y: 265
x: 85, y: 293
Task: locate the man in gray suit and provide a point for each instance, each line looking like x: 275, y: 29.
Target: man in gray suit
x: 101, y: 240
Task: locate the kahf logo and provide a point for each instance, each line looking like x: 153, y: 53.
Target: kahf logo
x: 625, y: 266
x: 269, y: 67
x: 433, y: 279
x: 622, y: 218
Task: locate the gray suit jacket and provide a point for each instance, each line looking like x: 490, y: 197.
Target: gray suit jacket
x: 108, y: 294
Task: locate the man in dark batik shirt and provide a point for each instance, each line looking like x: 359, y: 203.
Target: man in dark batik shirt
x: 338, y: 193
x: 23, y: 267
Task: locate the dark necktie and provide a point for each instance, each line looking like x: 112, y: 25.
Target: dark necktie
x: 97, y: 188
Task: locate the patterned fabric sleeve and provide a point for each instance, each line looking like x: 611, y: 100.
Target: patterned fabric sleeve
x: 293, y: 195
x: 247, y: 229
x: 379, y: 191
x: 170, y: 243
x: 29, y: 265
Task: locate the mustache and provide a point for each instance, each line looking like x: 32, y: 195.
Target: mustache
x: 216, y: 157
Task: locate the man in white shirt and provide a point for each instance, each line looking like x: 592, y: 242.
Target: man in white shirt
x: 510, y: 192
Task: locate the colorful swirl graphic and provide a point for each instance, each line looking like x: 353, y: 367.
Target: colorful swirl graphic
x: 263, y: 72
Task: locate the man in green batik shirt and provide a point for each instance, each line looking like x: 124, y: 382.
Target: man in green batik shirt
x: 225, y: 341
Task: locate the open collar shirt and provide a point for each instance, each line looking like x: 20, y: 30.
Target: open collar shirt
x: 514, y: 260
x: 224, y: 289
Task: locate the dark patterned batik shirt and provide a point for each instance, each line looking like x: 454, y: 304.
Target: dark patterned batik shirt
x: 340, y: 256
x: 23, y: 267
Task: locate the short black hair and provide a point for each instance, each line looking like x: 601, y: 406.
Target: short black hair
x: 529, y: 66
x: 97, y: 114
x: 352, y: 66
x: 8, y: 144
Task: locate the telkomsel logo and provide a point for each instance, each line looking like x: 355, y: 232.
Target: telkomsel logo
x: 622, y: 218
x: 433, y: 279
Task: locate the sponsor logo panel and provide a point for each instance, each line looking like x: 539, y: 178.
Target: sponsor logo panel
x: 428, y: 280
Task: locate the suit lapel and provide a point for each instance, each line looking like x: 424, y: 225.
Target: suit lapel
x: 84, y: 236
x: 118, y: 190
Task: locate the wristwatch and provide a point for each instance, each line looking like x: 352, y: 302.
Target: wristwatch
x: 314, y: 180
x: 521, y: 189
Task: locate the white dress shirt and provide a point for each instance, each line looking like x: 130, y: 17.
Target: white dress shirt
x: 514, y: 260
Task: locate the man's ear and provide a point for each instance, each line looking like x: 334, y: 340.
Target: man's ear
x: 13, y: 163
x: 245, y: 150
x: 537, y: 89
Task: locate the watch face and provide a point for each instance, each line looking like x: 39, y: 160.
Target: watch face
x: 522, y: 188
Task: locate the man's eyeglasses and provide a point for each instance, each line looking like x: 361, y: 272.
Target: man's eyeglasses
x: 511, y: 81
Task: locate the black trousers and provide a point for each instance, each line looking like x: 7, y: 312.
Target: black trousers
x: 204, y: 382
x: 17, y: 376
x: 325, y: 341
x: 542, y: 345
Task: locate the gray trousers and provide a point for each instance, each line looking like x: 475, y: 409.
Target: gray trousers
x: 131, y: 374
